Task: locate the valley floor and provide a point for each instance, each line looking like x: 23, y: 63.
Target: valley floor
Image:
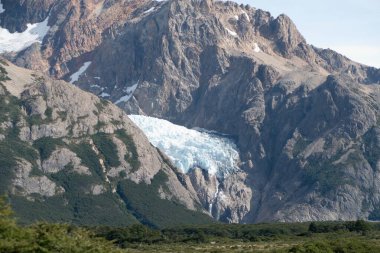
x: 322, y: 243
x: 315, y: 237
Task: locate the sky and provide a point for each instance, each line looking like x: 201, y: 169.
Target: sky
x: 351, y: 27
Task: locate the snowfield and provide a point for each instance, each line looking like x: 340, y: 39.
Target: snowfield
x: 15, y: 42
x: 129, y: 90
x: 75, y: 77
x: 189, y: 148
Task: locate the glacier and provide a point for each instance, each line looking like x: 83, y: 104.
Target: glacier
x: 190, y: 148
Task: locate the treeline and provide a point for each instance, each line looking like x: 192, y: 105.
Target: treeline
x: 47, y: 237
x: 335, y: 237
x: 315, y: 237
x: 359, y: 226
x: 228, y: 232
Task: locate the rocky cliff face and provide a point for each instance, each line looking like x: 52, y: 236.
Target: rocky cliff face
x: 306, y: 119
x: 75, y: 154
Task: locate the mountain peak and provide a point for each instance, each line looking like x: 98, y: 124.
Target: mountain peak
x: 233, y: 69
x: 287, y: 35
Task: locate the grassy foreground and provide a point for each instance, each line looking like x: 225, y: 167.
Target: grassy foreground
x: 326, y: 237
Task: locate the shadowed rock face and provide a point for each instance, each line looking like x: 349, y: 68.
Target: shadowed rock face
x: 306, y: 119
x: 19, y: 13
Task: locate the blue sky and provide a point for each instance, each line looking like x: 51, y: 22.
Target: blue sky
x: 351, y: 27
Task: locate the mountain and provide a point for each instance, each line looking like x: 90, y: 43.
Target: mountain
x: 68, y: 156
x: 305, y: 120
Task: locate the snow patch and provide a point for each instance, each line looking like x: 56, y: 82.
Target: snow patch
x: 1, y: 7
x: 189, y: 148
x: 104, y: 94
x: 94, y: 86
x: 150, y: 10
x: 247, y: 17
x: 232, y: 33
x: 129, y: 90
x: 245, y: 14
x: 256, y: 48
x: 75, y: 77
x: 15, y: 42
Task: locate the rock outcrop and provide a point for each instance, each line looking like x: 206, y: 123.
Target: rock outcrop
x: 305, y: 119
x: 65, y: 151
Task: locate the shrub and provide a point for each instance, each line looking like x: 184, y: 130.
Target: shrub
x: 132, y: 157
x: 46, y: 146
x: 107, y: 148
x: 145, y: 203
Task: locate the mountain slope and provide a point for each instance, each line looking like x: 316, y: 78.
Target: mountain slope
x: 68, y: 156
x: 306, y: 120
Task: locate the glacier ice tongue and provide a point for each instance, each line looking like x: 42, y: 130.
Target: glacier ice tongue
x: 189, y: 148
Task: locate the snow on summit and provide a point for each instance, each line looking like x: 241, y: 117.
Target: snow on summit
x: 188, y: 148
x: 15, y: 42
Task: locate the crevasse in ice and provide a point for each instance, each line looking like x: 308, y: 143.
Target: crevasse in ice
x: 189, y: 148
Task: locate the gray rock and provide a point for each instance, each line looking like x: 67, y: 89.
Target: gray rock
x: 26, y: 184
x: 58, y: 126
x: 305, y: 119
x: 59, y: 159
x: 98, y: 189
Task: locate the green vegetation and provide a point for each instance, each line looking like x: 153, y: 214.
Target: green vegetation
x: 100, y: 125
x: 87, y: 198
x: 326, y: 173
x: 36, y: 119
x: 47, y: 237
x: 335, y: 237
x: 12, y: 149
x: 315, y: 237
x: 76, y: 204
x: 10, y: 108
x: 62, y: 115
x: 300, y: 146
x: 46, y: 146
x: 107, y: 148
x: 132, y: 156
x: 102, y: 104
x: 116, y: 122
x: 354, y: 245
x: 88, y: 156
x: 329, y: 227
x: 3, y: 72
x: 49, y: 113
x: 144, y: 202
x: 75, y: 183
